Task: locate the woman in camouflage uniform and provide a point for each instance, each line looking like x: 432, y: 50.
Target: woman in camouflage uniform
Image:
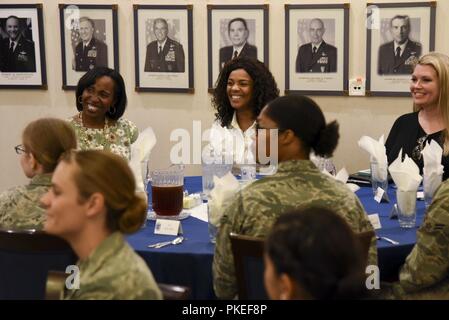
x: 91, y: 203
x: 43, y: 142
x: 297, y: 183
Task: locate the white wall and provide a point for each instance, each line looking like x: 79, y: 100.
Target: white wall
x: 164, y: 112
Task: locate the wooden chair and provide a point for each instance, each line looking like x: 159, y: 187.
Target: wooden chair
x: 25, y: 259
x: 56, y: 284
x: 249, y: 266
x: 174, y: 292
x: 54, y: 289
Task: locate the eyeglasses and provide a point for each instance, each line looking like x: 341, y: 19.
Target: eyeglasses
x: 20, y: 149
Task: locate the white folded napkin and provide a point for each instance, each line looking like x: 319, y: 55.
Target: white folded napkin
x: 433, y: 169
x: 343, y: 176
x: 140, y: 153
x: 224, y: 189
x: 377, y: 152
x: 405, y: 174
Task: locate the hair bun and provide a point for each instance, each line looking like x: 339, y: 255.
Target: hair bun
x: 327, y: 140
x: 134, y: 216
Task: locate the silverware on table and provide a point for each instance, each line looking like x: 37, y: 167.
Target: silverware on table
x: 388, y: 240
x: 175, y: 241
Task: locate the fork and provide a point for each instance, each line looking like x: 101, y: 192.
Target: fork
x: 388, y: 240
x: 158, y: 245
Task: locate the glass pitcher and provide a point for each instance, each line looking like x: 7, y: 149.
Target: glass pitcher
x: 167, y: 187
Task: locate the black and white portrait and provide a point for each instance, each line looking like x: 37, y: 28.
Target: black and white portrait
x: 397, y: 35
x: 235, y: 31
x: 88, y: 44
x: 89, y: 39
x: 17, y: 45
x: 164, y: 52
x: 22, y: 54
x: 316, y: 55
x: 237, y: 36
x: 317, y: 52
x: 399, y: 51
x: 163, y: 42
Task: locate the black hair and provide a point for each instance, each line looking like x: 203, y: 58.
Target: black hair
x: 305, y: 118
x: 237, y: 19
x: 89, y: 79
x: 320, y: 252
x: 265, y: 88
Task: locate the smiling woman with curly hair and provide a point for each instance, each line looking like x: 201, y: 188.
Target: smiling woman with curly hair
x: 243, y: 88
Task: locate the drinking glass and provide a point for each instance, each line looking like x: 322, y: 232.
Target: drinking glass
x: 406, y: 208
x: 379, y: 177
x: 209, y: 170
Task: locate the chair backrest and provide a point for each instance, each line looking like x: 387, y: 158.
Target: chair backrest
x: 365, y: 238
x: 249, y: 266
x: 174, y: 292
x: 54, y: 289
x: 25, y: 259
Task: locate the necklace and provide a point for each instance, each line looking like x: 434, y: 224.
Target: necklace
x: 106, y: 122
x: 104, y: 138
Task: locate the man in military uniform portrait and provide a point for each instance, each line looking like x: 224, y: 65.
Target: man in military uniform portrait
x: 238, y: 34
x: 400, y: 55
x: 164, y: 54
x: 90, y: 52
x: 16, y: 52
x: 317, y: 55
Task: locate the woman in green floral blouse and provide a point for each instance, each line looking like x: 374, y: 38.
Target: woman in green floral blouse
x: 101, y: 102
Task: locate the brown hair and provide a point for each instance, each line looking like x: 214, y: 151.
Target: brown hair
x: 47, y: 139
x: 109, y: 174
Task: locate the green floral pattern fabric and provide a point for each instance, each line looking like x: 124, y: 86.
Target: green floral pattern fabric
x: 116, y: 136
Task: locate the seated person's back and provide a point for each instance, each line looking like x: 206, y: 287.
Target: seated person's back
x: 43, y: 142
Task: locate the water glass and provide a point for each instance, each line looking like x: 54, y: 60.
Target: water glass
x: 209, y: 170
x: 211, y: 225
x: 406, y: 208
x: 379, y: 177
x: 430, y: 186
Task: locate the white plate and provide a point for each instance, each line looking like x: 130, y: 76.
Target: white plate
x: 151, y: 215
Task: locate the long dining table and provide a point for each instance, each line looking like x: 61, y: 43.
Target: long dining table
x: 190, y: 263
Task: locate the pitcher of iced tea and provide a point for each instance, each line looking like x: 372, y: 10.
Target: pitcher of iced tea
x: 168, y: 190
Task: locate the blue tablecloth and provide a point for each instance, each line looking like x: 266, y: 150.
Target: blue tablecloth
x: 190, y: 263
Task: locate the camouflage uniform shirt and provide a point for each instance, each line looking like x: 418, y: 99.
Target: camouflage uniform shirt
x: 425, y: 273
x: 297, y: 183
x: 114, y: 271
x: 20, y: 206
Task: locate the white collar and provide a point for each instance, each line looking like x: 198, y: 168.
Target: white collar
x: 162, y: 45
x: 235, y: 125
x: 239, y: 48
x: 316, y: 45
x: 402, y: 46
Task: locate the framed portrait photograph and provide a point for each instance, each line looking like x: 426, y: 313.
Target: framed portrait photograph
x: 22, y: 50
x: 316, y: 54
x: 89, y: 39
x: 235, y: 31
x: 163, y: 41
x: 397, y: 35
